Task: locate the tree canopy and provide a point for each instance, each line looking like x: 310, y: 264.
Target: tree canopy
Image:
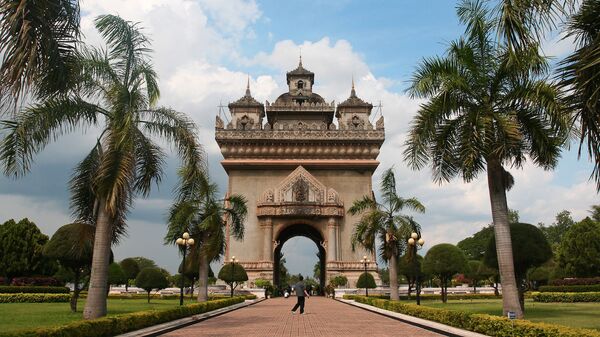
x: 444, y: 260
x: 579, y: 251
x: 475, y: 246
x: 151, y: 278
x: 21, y: 250
x: 233, y: 274
x: 366, y: 280
x: 530, y: 249
x: 116, y: 275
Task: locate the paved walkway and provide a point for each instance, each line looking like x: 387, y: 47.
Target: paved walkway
x: 323, y: 317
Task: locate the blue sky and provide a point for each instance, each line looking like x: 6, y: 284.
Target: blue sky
x: 203, y: 52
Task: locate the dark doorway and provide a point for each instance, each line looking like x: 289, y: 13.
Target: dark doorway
x: 305, y: 231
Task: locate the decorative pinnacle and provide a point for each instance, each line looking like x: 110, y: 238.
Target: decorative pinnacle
x: 300, y: 63
x: 248, y: 87
x: 353, y: 92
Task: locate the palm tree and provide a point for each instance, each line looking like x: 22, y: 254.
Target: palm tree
x: 580, y: 77
x: 484, y: 110
x: 383, y: 222
x: 199, y: 211
x: 38, y: 42
x: 119, y: 87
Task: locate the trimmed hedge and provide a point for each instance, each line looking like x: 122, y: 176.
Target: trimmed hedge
x: 166, y: 297
x: 437, y: 297
x: 33, y: 290
x: 570, y: 289
x: 43, y: 281
x: 119, y: 324
x: 481, y: 323
x: 576, y: 281
x: 566, y: 297
x: 34, y: 298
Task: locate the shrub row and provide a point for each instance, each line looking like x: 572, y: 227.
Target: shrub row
x: 36, y: 281
x: 119, y: 324
x: 34, y: 298
x: 481, y: 323
x: 437, y: 297
x: 165, y: 297
x: 576, y: 281
x: 570, y: 289
x: 33, y: 290
x: 566, y: 297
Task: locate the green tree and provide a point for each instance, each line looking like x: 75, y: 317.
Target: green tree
x: 118, y: 86
x: 595, y: 211
x: 472, y: 273
x: 144, y: 262
x: 338, y: 281
x: 21, y: 250
x: 72, y: 246
x: 264, y: 284
x: 474, y: 246
x: 530, y: 249
x: 37, y: 41
x: 486, y: 108
x: 579, y: 75
x: 579, y: 252
x: 116, y: 275
x: 555, y: 232
x: 131, y: 269
x: 199, y: 212
x: 233, y: 274
x: 151, y: 278
x: 492, y: 275
x: 384, y: 222
x: 366, y: 281
x: 410, y: 270
x: 444, y: 261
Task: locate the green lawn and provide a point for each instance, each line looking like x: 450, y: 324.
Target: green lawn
x: 17, y: 316
x: 580, y: 315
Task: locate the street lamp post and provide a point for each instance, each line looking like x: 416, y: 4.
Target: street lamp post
x: 184, y: 242
x: 232, y: 266
x: 416, y: 242
x: 365, y: 262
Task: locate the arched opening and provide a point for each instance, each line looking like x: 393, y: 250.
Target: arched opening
x: 306, y: 231
x: 300, y: 84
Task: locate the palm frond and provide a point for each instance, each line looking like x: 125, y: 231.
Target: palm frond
x: 236, y: 212
x: 34, y: 128
x: 149, y: 162
x: 38, y: 40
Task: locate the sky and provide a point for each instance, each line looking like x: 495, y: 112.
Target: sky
x: 205, y: 50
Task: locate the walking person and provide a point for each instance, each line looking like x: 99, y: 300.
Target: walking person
x: 300, y: 290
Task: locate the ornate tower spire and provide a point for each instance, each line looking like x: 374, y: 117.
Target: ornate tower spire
x: 248, y: 87
x: 300, y: 62
x: 353, y: 92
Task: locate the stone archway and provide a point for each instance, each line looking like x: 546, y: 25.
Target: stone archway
x: 307, y: 231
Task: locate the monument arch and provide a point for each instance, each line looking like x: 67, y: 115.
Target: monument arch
x: 300, y: 162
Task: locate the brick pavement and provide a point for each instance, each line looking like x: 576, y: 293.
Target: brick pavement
x: 323, y: 317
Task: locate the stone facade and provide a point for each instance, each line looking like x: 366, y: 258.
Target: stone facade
x: 299, y: 173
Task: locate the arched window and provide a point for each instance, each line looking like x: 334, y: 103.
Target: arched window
x: 300, y: 85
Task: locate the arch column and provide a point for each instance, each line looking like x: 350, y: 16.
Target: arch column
x: 267, y: 226
x: 332, y: 239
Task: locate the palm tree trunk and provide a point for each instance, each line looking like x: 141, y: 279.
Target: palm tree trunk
x: 393, y: 268
x: 75, y: 296
x: 95, y: 305
x: 497, y: 190
x: 203, y: 277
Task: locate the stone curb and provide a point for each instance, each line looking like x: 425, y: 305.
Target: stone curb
x: 157, y: 330
x: 423, y: 323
